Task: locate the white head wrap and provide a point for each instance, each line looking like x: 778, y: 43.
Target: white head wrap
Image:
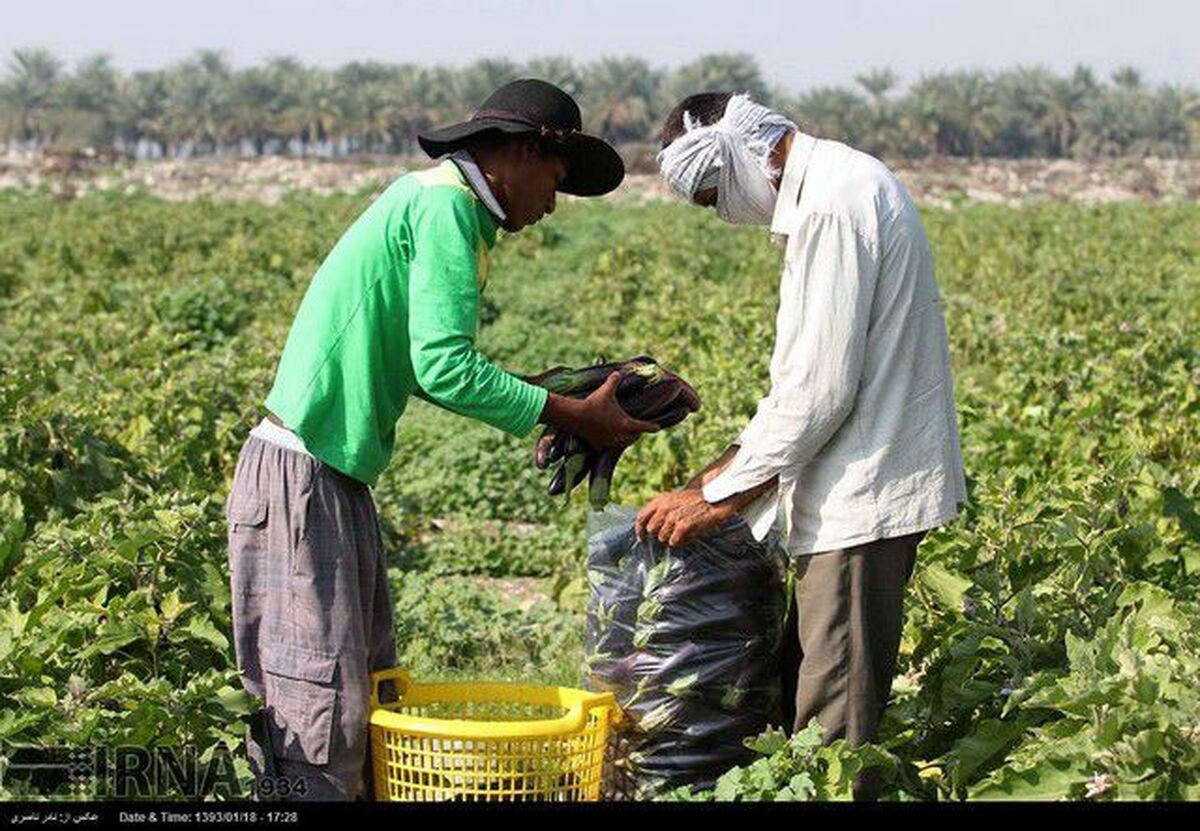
x: 733, y: 155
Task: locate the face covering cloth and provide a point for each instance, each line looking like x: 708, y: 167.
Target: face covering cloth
x: 733, y: 155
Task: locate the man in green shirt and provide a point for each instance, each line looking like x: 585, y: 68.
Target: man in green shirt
x: 391, y: 313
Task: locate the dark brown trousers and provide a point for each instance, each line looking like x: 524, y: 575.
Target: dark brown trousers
x: 848, y: 616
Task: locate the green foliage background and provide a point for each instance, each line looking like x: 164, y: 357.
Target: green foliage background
x: 1051, y: 643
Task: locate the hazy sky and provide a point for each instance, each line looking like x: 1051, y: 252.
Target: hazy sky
x: 799, y: 44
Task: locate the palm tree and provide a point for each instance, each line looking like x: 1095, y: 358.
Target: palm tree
x: 1108, y: 129
x: 725, y: 71
x: 365, y: 90
x: 1127, y: 77
x: 558, y: 70
x: 956, y: 111
x: 1165, y: 121
x: 878, y: 134
x: 253, y: 95
x: 877, y: 83
x: 417, y: 99
x: 32, y: 94
x: 834, y: 112
x: 316, y: 115
x: 438, y: 95
x: 197, y: 101
x: 1065, y: 101
x: 286, y: 78
x: 92, y: 93
x: 1020, y: 111
x: 476, y: 82
x: 142, y: 111
x: 618, y: 98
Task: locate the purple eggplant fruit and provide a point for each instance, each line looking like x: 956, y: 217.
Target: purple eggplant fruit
x: 600, y: 478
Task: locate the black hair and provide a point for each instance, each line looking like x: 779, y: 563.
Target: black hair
x: 705, y: 107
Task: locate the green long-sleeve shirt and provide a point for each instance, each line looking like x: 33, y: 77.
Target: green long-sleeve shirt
x: 392, y: 312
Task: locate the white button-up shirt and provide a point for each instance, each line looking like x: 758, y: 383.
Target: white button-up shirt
x: 859, y: 424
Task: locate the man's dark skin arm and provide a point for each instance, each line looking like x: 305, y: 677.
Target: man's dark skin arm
x: 678, y: 517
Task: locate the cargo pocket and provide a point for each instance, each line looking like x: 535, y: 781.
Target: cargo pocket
x: 246, y: 513
x: 248, y: 543
x: 300, y: 702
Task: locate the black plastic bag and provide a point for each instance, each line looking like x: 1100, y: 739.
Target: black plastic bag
x: 688, y: 640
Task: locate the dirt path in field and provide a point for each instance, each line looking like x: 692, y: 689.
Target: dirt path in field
x: 935, y: 181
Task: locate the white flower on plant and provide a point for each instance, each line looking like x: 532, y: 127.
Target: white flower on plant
x: 1098, y: 785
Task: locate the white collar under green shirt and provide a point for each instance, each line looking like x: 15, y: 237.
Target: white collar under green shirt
x: 478, y: 182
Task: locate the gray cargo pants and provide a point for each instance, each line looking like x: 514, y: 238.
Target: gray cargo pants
x: 312, y: 618
x: 848, y: 617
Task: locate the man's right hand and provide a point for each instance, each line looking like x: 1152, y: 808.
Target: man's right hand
x: 597, y: 419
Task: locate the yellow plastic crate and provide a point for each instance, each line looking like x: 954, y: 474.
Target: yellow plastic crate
x: 488, y: 741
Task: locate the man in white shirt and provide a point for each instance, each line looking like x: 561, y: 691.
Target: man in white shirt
x: 854, y: 454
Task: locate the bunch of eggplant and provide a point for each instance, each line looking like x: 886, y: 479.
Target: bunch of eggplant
x: 646, y: 391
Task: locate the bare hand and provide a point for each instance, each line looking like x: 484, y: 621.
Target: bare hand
x: 678, y: 517
x: 603, y: 423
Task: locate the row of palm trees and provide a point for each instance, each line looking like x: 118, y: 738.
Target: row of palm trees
x: 202, y: 105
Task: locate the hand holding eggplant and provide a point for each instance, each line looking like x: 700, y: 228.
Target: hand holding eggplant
x: 594, y: 413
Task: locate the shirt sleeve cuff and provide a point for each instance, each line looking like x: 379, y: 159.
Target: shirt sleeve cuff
x: 727, y: 483
x: 760, y: 514
x: 535, y: 402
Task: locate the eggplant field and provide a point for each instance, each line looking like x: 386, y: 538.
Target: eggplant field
x: 1052, y: 637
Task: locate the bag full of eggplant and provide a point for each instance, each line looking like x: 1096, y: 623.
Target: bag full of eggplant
x: 688, y: 640
x: 646, y: 391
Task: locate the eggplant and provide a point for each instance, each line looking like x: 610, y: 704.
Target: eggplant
x: 672, y: 416
x: 652, y: 400
x: 600, y: 477
x: 580, y: 383
x: 645, y: 391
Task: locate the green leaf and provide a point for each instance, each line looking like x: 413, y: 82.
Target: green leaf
x: 727, y: 787
x: 43, y: 697
x: 800, y: 788
x: 1179, y: 506
x: 1050, y: 779
x: 989, y: 739
x: 804, y: 741
x: 13, y: 620
x: 237, y: 701
x: 12, y: 722
x: 1149, y: 744
x: 201, y: 627
x: 769, y: 742
x: 171, y: 606
x: 12, y: 532
x: 113, y: 637
x: 682, y: 686
x: 948, y: 587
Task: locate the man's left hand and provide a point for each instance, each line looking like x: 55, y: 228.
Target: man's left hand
x: 678, y: 517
